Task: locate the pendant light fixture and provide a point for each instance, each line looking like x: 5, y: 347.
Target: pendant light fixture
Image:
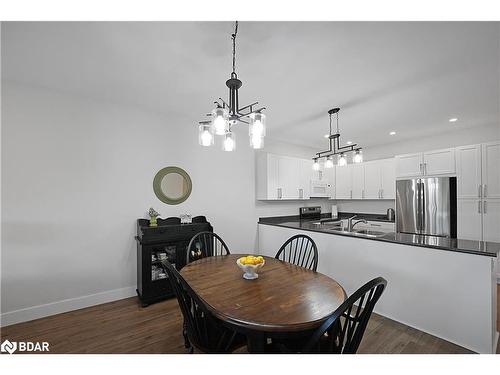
x: 224, y: 116
x: 336, y: 149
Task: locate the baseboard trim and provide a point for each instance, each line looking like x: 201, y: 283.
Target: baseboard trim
x: 53, y: 308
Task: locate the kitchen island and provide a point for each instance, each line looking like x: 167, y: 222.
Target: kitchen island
x: 445, y: 287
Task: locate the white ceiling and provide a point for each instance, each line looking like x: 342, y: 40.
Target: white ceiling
x: 401, y: 76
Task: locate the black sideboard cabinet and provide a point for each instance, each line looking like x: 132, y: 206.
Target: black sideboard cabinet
x: 168, y: 241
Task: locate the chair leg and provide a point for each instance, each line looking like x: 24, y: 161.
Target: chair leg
x: 191, y: 350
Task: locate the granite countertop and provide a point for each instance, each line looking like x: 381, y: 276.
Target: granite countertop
x: 484, y: 248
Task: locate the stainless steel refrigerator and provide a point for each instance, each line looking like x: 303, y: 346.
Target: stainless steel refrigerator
x: 427, y: 206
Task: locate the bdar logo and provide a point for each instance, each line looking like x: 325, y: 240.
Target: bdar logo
x: 9, y: 347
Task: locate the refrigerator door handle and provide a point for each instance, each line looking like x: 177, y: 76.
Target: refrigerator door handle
x: 419, y: 206
x: 422, y: 201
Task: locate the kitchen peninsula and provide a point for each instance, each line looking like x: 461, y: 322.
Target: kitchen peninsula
x: 445, y: 287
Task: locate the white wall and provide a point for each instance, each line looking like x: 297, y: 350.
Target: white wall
x: 77, y: 173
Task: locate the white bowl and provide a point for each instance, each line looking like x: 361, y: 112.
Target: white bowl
x: 250, y: 269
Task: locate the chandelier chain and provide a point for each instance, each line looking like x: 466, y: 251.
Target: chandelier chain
x: 233, y: 37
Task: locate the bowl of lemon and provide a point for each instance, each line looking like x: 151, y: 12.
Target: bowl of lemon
x: 250, y: 265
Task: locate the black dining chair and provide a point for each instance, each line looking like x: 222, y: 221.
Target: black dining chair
x: 201, y: 329
x: 205, y: 244
x: 299, y: 250
x: 343, y: 331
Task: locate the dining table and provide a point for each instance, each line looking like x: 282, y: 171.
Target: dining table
x: 284, y: 300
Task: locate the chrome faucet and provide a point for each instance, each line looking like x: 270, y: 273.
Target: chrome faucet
x: 350, y: 225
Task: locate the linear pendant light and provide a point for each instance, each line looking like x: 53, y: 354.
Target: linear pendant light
x: 224, y: 116
x: 336, y: 149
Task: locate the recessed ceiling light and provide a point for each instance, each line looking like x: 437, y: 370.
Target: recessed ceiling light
x: 453, y: 119
x: 392, y: 133
x: 349, y: 142
x: 326, y: 135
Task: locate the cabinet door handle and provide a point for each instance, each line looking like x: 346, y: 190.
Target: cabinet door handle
x: 484, y: 191
x: 301, y: 193
x: 484, y: 207
x: 420, y: 168
x: 425, y: 168
x: 351, y: 194
x: 382, y: 193
x: 363, y: 194
x: 280, y: 194
x: 479, y: 190
x: 479, y: 207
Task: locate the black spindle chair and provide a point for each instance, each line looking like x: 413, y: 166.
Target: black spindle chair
x: 343, y: 331
x: 205, y: 244
x: 299, y: 250
x: 201, y: 328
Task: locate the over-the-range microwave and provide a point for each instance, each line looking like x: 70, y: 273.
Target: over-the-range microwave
x: 320, y: 189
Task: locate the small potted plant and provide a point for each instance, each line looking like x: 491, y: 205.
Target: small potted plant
x: 153, y: 215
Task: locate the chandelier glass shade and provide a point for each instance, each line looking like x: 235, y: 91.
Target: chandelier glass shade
x: 225, y: 115
x: 336, y: 149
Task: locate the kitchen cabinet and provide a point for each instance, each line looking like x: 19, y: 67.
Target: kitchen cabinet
x: 430, y: 163
x: 469, y: 171
x: 380, y: 179
x: 409, y: 165
x: 305, y: 175
x: 469, y: 219
x: 343, y: 182
x: 491, y: 170
x: 388, y: 178
x: 491, y: 220
x: 288, y: 177
x: 478, y: 191
x: 282, y: 177
x: 439, y: 162
x: 372, y: 180
x: 357, y: 181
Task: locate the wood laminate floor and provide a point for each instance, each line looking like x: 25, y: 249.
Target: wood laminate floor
x: 125, y: 327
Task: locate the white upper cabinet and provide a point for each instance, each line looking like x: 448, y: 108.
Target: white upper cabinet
x: 439, y: 162
x: 468, y: 171
x: 491, y: 170
x: 288, y: 177
x: 343, y: 182
x: 282, y: 177
x: 305, y: 175
x: 409, y: 165
x: 357, y: 181
x: 430, y: 163
x: 372, y: 180
x: 388, y: 178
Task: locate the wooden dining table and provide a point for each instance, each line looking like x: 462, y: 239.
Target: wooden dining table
x: 285, y: 299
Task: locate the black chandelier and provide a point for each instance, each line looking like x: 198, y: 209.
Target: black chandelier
x: 224, y: 116
x: 336, y: 149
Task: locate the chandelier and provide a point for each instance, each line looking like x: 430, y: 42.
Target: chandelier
x: 224, y: 116
x: 336, y: 149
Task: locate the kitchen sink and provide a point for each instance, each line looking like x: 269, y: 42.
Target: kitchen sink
x: 369, y: 233
x: 361, y: 232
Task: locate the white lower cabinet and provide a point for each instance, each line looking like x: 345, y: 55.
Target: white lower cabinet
x: 469, y: 219
x: 491, y: 220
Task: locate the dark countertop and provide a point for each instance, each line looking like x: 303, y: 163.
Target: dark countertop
x: 485, y: 248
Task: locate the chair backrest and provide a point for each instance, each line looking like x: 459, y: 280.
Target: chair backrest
x: 346, y: 326
x: 203, y: 329
x: 205, y: 244
x: 299, y: 250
